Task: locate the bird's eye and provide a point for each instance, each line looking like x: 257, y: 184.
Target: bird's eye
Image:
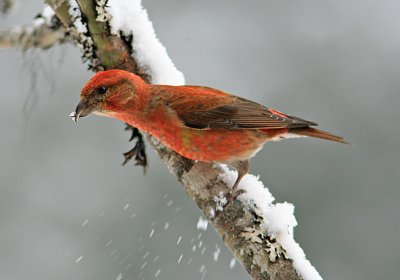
x: 101, y: 90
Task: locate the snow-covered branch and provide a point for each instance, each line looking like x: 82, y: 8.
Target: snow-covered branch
x: 118, y: 34
x: 43, y: 32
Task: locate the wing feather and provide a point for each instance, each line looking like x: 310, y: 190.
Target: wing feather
x: 208, y: 108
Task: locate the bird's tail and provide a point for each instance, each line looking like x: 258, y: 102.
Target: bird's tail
x: 316, y: 133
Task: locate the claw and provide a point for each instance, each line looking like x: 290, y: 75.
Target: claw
x: 135, y: 132
x: 232, y: 195
x: 138, y: 152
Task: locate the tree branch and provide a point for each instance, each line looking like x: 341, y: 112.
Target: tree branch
x: 202, y: 183
x: 43, y: 32
x: 241, y: 223
x: 6, y: 6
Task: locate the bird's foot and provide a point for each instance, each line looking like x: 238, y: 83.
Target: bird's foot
x: 233, y: 194
x: 138, y: 152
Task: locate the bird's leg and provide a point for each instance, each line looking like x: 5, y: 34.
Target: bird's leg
x: 242, y: 168
x: 138, y: 152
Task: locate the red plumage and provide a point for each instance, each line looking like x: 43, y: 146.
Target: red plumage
x: 200, y: 123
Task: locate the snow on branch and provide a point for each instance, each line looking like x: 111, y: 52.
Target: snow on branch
x: 276, y: 220
x: 130, y: 19
x: 43, y: 32
x: 84, y: 40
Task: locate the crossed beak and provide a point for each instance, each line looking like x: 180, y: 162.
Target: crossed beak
x: 83, y: 109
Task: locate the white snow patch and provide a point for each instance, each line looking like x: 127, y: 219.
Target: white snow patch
x: 75, y: 12
x: 277, y: 219
x: 220, y: 201
x: 129, y: 17
x: 212, y: 213
x: 119, y: 277
x: 47, y: 14
x: 202, y: 223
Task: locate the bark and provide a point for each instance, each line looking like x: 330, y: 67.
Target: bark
x: 237, y: 225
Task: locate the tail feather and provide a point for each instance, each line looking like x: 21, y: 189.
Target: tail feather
x: 316, y: 133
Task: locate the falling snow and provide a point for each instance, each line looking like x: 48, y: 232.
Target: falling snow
x: 232, y: 263
x: 166, y: 226
x: 216, y: 252
x: 151, y: 233
x: 145, y: 255
x: 85, y: 222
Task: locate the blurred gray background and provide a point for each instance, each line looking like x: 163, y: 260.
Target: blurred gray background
x: 68, y: 210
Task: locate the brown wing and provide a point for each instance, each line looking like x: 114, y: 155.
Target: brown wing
x: 213, y: 109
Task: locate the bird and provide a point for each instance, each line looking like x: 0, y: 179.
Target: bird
x: 198, y: 122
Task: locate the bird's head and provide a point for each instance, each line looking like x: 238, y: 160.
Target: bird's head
x: 107, y: 93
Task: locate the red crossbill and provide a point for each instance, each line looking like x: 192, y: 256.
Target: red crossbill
x: 199, y: 123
